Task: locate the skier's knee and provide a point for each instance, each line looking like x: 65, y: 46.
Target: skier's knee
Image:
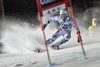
x: 63, y: 41
x: 51, y: 40
x: 54, y: 36
x: 68, y: 37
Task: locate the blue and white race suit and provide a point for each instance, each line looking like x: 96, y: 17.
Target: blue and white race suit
x: 64, y: 29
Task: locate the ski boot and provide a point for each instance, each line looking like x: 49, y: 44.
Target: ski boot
x: 37, y: 50
x: 55, y: 47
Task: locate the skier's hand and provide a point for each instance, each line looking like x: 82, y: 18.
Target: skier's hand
x: 79, y: 39
x: 78, y: 32
x: 43, y: 26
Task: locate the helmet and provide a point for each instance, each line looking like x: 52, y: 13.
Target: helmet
x: 63, y: 12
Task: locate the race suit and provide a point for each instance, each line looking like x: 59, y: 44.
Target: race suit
x: 64, y: 29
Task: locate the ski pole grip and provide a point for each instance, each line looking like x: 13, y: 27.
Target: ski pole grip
x: 79, y: 38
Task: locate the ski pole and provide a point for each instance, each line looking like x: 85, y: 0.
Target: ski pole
x: 80, y: 41
x: 40, y: 17
x: 49, y: 60
x: 72, y: 12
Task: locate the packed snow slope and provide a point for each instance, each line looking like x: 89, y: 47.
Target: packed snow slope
x: 21, y: 37
x: 68, y: 57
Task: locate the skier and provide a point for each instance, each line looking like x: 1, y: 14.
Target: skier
x: 65, y: 28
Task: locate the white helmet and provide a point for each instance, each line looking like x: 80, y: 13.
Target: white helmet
x: 63, y: 12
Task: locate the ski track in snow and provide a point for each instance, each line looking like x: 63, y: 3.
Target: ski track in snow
x: 69, y: 57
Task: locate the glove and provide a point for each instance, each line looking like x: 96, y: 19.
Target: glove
x: 78, y: 32
x: 43, y: 26
x: 79, y: 39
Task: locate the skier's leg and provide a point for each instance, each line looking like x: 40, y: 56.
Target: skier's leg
x: 55, y: 36
x: 64, y: 40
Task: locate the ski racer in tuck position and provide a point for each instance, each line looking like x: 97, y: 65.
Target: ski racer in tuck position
x: 65, y: 28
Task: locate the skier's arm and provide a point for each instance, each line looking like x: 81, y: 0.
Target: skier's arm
x: 52, y: 19
x: 74, y: 26
x: 77, y: 31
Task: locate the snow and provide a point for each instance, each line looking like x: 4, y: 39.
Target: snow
x: 20, y: 39
x: 69, y: 57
